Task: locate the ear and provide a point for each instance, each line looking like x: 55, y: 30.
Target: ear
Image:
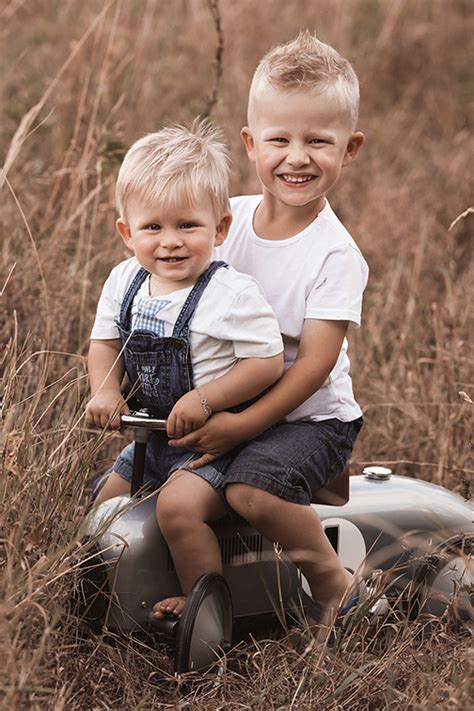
x: 354, y: 144
x: 124, y: 231
x: 222, y: 230
x: 247, y: 138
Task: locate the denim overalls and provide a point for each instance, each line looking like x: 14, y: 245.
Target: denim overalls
x: 160, y: 368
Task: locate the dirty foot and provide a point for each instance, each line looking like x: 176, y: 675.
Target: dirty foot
x: 169, y: 606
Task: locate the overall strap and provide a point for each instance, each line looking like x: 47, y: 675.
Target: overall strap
x: 181, y: 327
x: 126, y: 308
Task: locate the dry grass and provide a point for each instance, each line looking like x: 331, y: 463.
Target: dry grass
x: 82, y: 80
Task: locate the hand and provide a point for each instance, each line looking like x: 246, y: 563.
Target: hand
x: 105, y: 408
x: 221, y: 433
x: 187, y: 415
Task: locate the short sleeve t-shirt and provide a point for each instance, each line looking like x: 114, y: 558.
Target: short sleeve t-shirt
x: 318, y: 273
x: 233, y: 320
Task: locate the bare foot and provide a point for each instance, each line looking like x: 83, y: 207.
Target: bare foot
x: 169, y: 606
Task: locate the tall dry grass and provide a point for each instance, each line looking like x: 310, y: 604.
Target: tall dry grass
x: 80, y: 82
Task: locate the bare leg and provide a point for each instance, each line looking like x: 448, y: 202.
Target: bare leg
x: 114, y: 486
x: 185, y: 507
x: 299, y: 531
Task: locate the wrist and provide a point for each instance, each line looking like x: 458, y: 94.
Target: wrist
x: 245, y: 425
x: 206, y: 408
x: 106, y: 392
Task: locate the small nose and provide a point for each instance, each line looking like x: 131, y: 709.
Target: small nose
x: 297, y: 155
x: 170, y: 239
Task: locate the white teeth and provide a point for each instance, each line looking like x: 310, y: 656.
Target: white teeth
x: 297, y: 179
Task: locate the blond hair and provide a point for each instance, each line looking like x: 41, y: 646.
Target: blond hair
x: 307, y: 63
x: 178, y: 162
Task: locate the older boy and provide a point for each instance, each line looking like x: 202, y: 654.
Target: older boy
x: 302, y: 116
x: 194, y: 336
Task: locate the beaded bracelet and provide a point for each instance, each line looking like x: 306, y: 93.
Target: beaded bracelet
x: 205, y: 405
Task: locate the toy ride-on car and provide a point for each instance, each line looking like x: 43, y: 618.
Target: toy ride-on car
x: 417, y: 534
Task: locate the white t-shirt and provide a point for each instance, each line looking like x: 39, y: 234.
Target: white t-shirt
x: 319, y: 273
x: 232, y: 319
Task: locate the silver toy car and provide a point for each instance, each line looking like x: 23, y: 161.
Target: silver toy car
x: 418, y: 535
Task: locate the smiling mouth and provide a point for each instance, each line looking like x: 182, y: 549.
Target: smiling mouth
x: 172, y: 260
x: 296, y: 179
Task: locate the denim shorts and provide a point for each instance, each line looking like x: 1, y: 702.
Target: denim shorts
x: 290, y: 460
x: 161, y: 461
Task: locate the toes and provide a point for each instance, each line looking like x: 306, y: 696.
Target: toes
x: 172, y: 606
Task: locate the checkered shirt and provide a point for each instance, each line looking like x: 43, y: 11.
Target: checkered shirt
x: 146, y: 318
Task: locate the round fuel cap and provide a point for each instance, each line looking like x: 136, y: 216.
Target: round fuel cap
x: 377, y: 473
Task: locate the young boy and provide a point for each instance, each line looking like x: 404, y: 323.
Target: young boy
x: 301, y: 132
x: 193, y: 336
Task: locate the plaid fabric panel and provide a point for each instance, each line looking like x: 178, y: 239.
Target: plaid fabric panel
x: 146, y: 316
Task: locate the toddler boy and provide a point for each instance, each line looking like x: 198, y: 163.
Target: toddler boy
x: 194, y: 336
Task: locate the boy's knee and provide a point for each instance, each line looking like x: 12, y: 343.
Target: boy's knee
x: 169, y: 508
x: 112, y: 486
x: 173, y: 510
x: 249, y: 501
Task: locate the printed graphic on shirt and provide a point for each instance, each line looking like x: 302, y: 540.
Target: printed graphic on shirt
x: 146, y: 316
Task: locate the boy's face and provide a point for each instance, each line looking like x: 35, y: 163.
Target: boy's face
x: 299, y: 141
x: 173, y: 243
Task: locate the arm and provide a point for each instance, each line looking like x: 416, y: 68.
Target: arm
x: 106, y: 370
x: 318, y: 352
x: 244, y: 381
x: 319, y: 349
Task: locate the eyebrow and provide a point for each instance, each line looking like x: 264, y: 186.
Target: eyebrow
x: 283, y: 132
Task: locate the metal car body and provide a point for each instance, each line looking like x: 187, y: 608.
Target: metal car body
x: 416, y: 533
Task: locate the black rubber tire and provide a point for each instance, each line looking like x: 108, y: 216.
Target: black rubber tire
x: 212, y: 590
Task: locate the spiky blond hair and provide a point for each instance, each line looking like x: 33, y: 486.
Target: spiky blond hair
x: 307, y: 63
x: 175, y: 163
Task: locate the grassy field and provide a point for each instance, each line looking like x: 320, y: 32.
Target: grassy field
x: 80, y: 81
